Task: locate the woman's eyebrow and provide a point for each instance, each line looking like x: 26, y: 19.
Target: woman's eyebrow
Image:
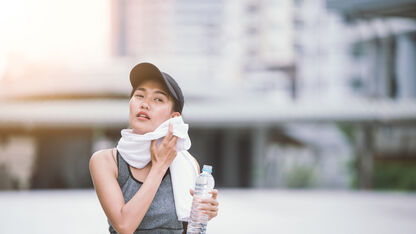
x: 157, y: 91
x: 161, y: 92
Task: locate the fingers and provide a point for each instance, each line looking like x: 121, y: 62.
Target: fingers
x: 214, y: 193
x: 172, y: 142
x: 211, y: 214
x: 209, y: 205
x: 172, y: 146
x: 170, y: 139
x: 210, y: 210
x: 170, y: 132
x: 209, y: 201
x: 153, y: 145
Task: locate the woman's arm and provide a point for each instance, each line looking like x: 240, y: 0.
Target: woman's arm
x: 126, y: 217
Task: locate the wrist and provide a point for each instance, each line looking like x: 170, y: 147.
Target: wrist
x: 159, y: 169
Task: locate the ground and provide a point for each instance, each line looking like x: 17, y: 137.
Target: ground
x: 241, y: 211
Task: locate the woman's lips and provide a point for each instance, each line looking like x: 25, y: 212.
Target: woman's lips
x: 143, y: 116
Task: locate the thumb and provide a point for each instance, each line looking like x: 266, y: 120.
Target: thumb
x: 191, y: 191
x: 153, y: 145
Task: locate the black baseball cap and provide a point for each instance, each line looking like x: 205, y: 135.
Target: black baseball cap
x: 147, y: 71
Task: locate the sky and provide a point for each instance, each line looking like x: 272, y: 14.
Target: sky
x: 50, y: 30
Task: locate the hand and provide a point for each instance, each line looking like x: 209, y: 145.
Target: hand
x: 209, y: 205
x: 163, y: 155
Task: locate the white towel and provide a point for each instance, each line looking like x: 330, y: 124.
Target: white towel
x: 135, y: 150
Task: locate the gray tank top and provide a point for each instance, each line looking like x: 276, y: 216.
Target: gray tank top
x: 161, y: 216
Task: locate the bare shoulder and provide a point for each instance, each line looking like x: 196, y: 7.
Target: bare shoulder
x: 104, y: 159
x: 197, y: 164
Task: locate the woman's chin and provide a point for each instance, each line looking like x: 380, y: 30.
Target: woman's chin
x: 141, y: 129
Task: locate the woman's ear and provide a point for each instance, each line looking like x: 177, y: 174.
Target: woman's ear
x: 175, y: 114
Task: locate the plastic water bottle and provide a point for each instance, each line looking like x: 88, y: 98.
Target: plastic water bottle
x: 204, y: 184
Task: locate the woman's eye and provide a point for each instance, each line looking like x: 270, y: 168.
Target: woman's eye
x: 158, y: 100
x: 139, y: 95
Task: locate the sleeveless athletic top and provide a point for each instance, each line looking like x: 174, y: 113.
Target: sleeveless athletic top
x: 161, y: 216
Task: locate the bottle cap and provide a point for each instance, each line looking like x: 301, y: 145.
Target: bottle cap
x: 207, y: 168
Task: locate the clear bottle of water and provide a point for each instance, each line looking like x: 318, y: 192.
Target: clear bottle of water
x: 204, y: 184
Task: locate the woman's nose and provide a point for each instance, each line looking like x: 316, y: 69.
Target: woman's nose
x: 144, y: 105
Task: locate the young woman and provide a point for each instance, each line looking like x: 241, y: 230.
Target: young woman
x: 143, y: 199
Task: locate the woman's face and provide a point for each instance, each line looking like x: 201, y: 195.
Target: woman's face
x: 150, y: 106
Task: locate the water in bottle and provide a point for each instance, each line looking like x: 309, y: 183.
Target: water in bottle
x: 204, y: 184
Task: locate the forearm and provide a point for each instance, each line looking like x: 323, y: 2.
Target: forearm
x: 133, y: 211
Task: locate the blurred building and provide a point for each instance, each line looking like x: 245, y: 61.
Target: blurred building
x: 264, y: 83
x: 361, y: 50
x: 383, y: 40
x: 221, y: 43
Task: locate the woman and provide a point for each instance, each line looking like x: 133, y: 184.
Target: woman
x: 142, y: 198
